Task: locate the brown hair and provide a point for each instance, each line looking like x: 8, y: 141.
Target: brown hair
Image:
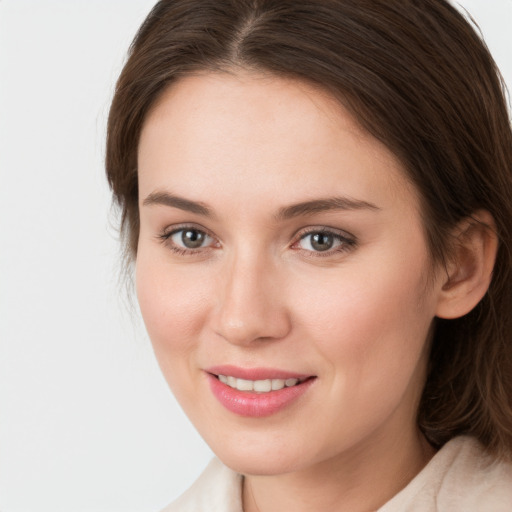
x: 416, y: 75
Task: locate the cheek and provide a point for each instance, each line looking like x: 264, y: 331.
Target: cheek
x: 371, y: 321
x: 172, y: 304
x: 370, y: 331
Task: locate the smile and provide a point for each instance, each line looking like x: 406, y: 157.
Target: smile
x: 256, y: 392
x: 258, y: 386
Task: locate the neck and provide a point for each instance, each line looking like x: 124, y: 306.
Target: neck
x: 360, y: 481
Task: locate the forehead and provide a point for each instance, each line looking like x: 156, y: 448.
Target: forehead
x: 249, y: 133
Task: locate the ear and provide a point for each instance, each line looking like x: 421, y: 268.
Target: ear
x: 469, y: 270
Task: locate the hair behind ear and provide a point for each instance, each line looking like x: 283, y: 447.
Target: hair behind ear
x: 470, y: 265
x: 469, y: 385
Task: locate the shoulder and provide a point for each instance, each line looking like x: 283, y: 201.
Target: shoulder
x: 217, y: 488
x: 474, y: 480
x: 460, y: 477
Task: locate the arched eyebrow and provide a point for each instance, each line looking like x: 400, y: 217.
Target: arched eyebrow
x: 322, y: 205
x: 166, y: 199
x: 285, y: 213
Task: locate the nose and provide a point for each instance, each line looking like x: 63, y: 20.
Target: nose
x: 252, y: 302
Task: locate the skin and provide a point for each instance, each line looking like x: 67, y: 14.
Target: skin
x: 257, y: 293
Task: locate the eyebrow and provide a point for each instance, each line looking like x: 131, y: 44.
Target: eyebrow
x: 323, y: 205
x: 287, y: 212
x: 166, y: 199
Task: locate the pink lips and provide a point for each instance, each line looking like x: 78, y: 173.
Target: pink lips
x: 250, y: 403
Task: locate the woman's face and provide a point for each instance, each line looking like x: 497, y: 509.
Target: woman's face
x: 280, y: 245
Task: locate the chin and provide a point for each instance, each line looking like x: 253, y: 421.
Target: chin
x: 257, y: 465
x: 259, y: 455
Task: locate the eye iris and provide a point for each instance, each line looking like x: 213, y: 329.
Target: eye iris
x: 322, y: 241
x: 192, y: 239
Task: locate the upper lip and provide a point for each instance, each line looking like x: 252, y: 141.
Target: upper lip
x: 255, y: 373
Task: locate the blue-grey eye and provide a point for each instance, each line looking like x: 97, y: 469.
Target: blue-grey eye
x: 319, y: 241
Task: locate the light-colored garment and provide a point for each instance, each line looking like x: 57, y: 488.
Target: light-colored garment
x: 459, y: 478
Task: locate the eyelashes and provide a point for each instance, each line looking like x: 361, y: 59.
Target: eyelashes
x: 188, y: 240
x: 323, y: 241
x: 191, y: 240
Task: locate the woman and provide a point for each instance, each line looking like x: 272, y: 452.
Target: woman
x: 316, y: 196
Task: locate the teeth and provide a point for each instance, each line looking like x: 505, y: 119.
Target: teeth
x: 260, y: 386
x: 245, y: 385
x: 277, y: 384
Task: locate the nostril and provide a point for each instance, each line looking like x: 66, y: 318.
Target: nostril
x: 262, y: 324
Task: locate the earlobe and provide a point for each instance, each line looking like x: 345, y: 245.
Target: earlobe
x: 469, y: 270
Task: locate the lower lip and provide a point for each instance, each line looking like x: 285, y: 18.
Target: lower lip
x: 256, y: 405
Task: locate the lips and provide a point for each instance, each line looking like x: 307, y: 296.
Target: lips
x: 255, y: 373
x: 256, y: 392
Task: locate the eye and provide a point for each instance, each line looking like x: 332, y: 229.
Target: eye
x: 324, y: 241
x: 188, y: 238
x: 317, y: 241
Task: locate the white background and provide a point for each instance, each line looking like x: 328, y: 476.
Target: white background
x: 86, y: 420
